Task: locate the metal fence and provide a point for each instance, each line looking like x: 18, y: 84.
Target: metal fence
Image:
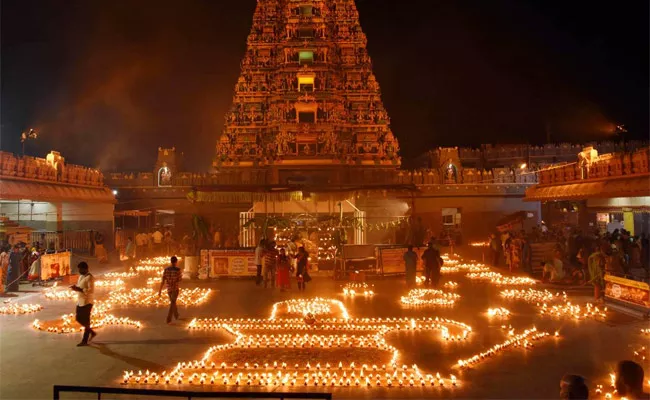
x: 77, y: 241
x: 58, y: 389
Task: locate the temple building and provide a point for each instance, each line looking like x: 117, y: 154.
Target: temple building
x: 600, y: 192
x: 49, y: 201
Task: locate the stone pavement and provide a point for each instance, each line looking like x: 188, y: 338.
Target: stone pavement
x: 32, y: 361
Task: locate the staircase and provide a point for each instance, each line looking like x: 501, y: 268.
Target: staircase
x: 541, y: 252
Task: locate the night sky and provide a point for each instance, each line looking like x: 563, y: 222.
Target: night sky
x: 107, y: 82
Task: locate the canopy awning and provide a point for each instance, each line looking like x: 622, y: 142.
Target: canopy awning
x: 11, y: 189
x: 604, y: 188
x: 513, y: 218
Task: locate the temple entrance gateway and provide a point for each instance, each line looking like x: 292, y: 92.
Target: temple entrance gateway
x: 321, y: 226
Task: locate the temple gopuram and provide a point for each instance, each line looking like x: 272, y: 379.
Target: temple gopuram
x: 307, y: 107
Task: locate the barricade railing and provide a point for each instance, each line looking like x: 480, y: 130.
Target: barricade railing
x: 98, y: 390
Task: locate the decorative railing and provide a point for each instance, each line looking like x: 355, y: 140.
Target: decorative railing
x: 548, y: 153
x: 606, y: 166
x: 41, y: 169
x: 362, y: 176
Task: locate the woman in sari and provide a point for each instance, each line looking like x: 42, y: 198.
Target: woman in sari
x: 283, y: 268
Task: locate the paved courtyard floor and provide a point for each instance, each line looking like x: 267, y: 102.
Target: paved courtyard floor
x: 32, y: 360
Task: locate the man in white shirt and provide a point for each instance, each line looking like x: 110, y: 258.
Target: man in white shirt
x: 85, y: 289
x: 259, y: 258
x: 139, y: 243
x: 157, y: 240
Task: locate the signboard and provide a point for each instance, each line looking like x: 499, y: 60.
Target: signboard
x: 229, y: 262
x: 392, y: 259
x: 55, y: 265
x: 627, y: 290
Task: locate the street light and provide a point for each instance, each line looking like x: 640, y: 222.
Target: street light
x: 31, y: 134
x: 620, y: 131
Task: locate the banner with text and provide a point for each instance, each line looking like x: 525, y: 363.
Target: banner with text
x: 55, y: 265
x: 627, y: 290
x: 229, y: 262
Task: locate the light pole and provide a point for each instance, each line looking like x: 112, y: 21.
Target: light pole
x: 31, y: 134
x: 620, y: 131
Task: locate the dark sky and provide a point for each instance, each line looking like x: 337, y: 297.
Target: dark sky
x: 107, y: 82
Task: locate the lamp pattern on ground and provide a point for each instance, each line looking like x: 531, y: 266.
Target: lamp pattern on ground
x: 354, y: 351
x: 324, y: 325
x: 555, y: 305
x: 332, y: 332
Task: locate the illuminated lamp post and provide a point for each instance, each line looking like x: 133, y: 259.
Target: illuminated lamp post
x: 620, y: 131
x: 31, y: 134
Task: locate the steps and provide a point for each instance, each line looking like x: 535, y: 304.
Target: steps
x: 541, y: 252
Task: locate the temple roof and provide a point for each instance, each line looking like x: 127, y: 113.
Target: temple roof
x: 629, y: 186
x: 18, y: 189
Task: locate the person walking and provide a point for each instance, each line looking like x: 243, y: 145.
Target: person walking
x: 596, y: 263
x: 129, y: 253
x: 13, y: 271
x: 516, y: 250
x: 302, y: 262
x: 411, y: 260
x: 526, y: 253
x: 283, y: 267
x: 4, y: 266
x: 270, y: 259
x: 495, y: 249
x: 431, y: 257
x: 85, y: 289
x: 157, y: 237
x: 171, y: 278
x: 140, y: 240
x: 259, y: 258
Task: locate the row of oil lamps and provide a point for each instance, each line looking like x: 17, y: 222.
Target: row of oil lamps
x: 358, y: 288
x: 149, y: 297
x: 16, y: 309
x: 563, y: 308
x: 97, y: 320
x: 498, y: 312
x: 317, y: 306
x: 427, y: 297
x: 524, y: 340
x: 291, y: 379
x: 499, y: 279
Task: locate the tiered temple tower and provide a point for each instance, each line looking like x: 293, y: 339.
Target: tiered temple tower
x: 306, y: 101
